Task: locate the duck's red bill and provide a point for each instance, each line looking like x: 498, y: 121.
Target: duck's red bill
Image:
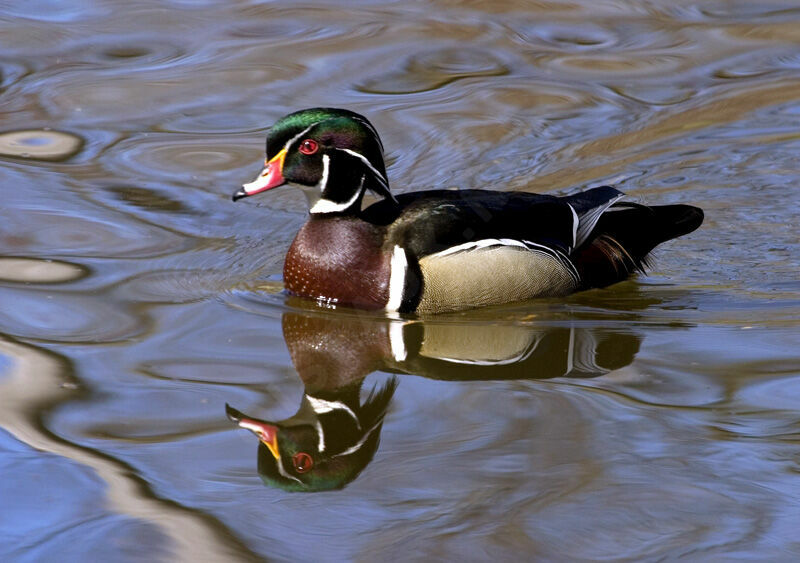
x: 270, y: 177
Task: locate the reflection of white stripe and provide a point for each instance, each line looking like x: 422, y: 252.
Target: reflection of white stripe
x: 321, y: 406
x: 282, y: 471
x: 396, y: 341
x: 570, y: 350
x: 328, y: 206
x: 397, y: 278
x: 521, y: 357
x: 357, y: 446
x: 321, y: 433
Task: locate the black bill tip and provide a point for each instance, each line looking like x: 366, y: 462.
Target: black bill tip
x: 233, y: 415
x: 239, y: 194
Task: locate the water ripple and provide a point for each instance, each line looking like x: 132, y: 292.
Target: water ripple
x: 434, y: 69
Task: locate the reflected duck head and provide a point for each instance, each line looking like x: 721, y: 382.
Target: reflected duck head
x: 325, y: 445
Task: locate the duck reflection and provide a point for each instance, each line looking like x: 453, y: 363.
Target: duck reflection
x: 335, y: 434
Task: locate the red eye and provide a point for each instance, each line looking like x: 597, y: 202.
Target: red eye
x: 309, y: 146
x: 302, y: 462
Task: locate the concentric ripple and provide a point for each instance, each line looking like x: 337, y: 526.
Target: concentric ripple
x: 40, y: 144
x: 435, y: 69
x: 190, y: 159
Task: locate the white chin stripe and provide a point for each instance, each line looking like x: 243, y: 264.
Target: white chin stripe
x: 397, y: 278
x: 328, y: 206
x: 321, y: 406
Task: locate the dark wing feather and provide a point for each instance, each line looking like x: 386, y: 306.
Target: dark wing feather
x: 428, y: 222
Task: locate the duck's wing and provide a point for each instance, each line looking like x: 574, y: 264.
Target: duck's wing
x: 425, y: 223
x: 589, y: 206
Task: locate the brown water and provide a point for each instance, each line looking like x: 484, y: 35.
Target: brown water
x: 659, y: 418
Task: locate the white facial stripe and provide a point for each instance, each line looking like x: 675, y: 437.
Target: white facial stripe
x: 300, y: 134
x: 397, y: 278
x: 363, y: 159
x: 328, y: 206
x: 326, y: 166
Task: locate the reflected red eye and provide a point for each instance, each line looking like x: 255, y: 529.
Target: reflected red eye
x: 302, y: 462
x: 309, y: 146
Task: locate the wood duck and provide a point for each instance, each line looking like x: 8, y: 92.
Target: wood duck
x: 443, y: 250
x: 334, y: 434
x: 325, y: 445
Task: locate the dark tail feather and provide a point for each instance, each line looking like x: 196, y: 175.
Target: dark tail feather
x: 625, y: 235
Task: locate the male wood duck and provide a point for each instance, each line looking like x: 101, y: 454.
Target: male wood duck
x: 443, y: 250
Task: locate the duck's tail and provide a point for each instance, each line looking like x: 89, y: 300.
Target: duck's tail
x: 624, y: 236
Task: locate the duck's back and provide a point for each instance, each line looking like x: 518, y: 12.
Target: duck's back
x: 474, y: 248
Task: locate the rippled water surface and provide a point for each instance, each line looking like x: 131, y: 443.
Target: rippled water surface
x: 658, y: 418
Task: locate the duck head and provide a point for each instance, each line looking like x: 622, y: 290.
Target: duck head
x: 325, y: 445
x: 333, y: 155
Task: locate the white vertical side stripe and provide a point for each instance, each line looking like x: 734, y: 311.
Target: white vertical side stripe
x: 397, y: 278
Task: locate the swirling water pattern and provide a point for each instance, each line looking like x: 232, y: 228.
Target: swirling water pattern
x: 137, y: 298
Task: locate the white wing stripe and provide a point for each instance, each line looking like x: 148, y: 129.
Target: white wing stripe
x: 476, y: 244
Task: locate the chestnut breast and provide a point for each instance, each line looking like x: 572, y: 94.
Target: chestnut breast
x: 339, y: 260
